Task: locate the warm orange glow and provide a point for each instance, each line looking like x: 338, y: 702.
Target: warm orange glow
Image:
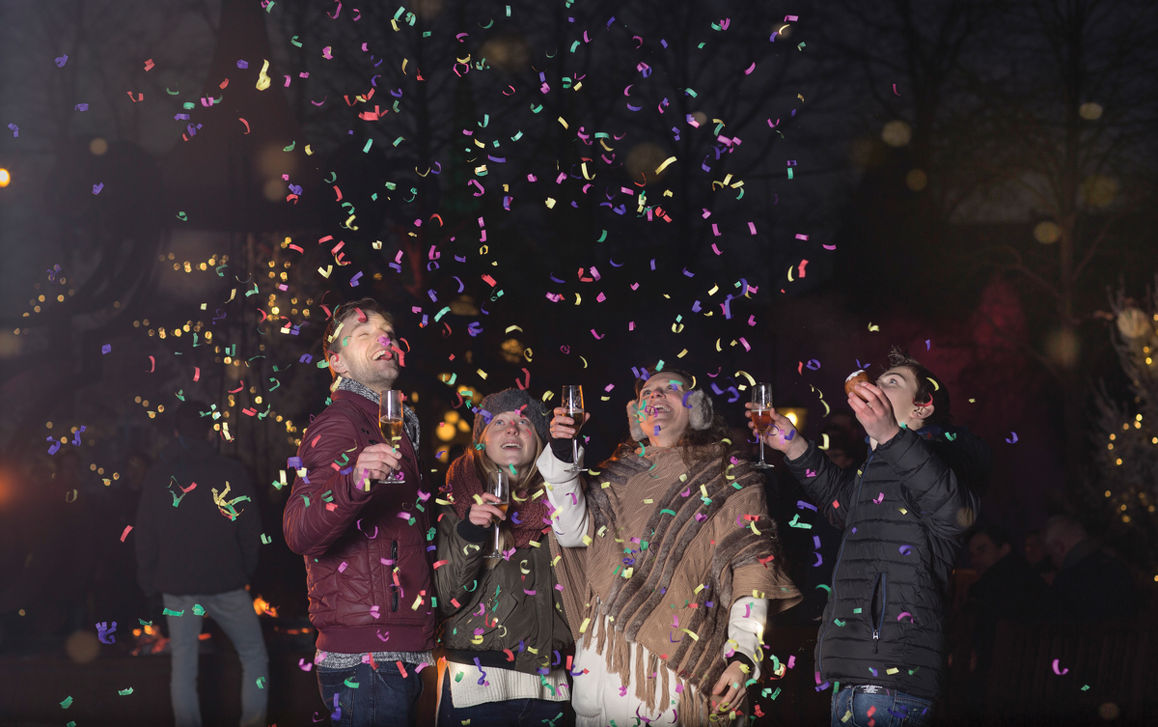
x: 262, y: 606
x: 7, y: 488
x: 5, y: 177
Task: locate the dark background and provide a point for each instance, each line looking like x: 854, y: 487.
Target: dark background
x: 550, y: 193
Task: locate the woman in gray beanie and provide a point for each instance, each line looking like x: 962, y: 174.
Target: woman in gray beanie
x: 507, y: 643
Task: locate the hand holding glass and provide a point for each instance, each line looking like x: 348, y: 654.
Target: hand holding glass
x: 500, y: 487
x: 572, y: 401
x: 390, y: 420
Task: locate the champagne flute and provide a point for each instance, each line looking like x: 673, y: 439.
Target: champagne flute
x: 501, y: 488
x: 390, y: 420
x: 573, y: 402
x: 762, y: 417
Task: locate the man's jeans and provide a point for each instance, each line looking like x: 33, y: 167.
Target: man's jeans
x: 233, y: 612
x: 865, y: 706
x: 362, y: 696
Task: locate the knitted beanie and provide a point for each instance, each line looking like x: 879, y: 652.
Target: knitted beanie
x: 511, y: 400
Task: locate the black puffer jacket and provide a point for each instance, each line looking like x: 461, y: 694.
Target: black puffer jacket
x: 903, y: 513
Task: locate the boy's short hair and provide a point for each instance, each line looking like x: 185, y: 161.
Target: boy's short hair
x: 929, y: 387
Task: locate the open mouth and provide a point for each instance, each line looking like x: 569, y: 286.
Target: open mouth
x: 384, y: 354
x: 512, y: 445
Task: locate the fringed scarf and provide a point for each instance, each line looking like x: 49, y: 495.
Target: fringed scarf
x: 671, y: 548
x: 527, y: 516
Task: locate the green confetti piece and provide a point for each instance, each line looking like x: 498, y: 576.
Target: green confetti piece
x: 171, y: 612
x: 125, y: 692
x: 66, y: 703
x: 198, y: 609
x: 351, y: 683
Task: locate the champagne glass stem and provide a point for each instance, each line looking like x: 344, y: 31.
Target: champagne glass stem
x: 575, y: 454
x: 497, y: 552
x: 761, y: 437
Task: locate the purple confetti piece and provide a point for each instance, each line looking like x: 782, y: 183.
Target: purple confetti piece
x: 60, y: 60
x: 80, y: 107
x: 15, y: 130
x: 96, y: 188
x: 106, y: 633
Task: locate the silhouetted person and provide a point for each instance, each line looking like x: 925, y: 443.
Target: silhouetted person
x: 1008, y: 589
x: 198, y: 531
x: 1038, y: 557
x: 1091, y: 585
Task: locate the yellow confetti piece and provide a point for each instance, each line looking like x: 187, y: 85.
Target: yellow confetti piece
x: 583, y: 626
x: 263, y: 79
x: 693, y: 634
x: 666, y: 163
x: 891, y: 670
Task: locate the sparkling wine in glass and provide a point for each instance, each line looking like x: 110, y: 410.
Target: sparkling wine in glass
x: 762, y: 416
x: 572, y: 401
x: 500, y: 487
x: 390, y: 420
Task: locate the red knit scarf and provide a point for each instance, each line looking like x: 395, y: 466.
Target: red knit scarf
x: 527, y: 517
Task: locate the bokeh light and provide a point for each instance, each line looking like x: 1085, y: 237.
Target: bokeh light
x: 896, y: 133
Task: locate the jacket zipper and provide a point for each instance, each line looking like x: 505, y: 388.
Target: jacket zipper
x: 882, y: 587
x: 396, y: 569
x: 836, y: 565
